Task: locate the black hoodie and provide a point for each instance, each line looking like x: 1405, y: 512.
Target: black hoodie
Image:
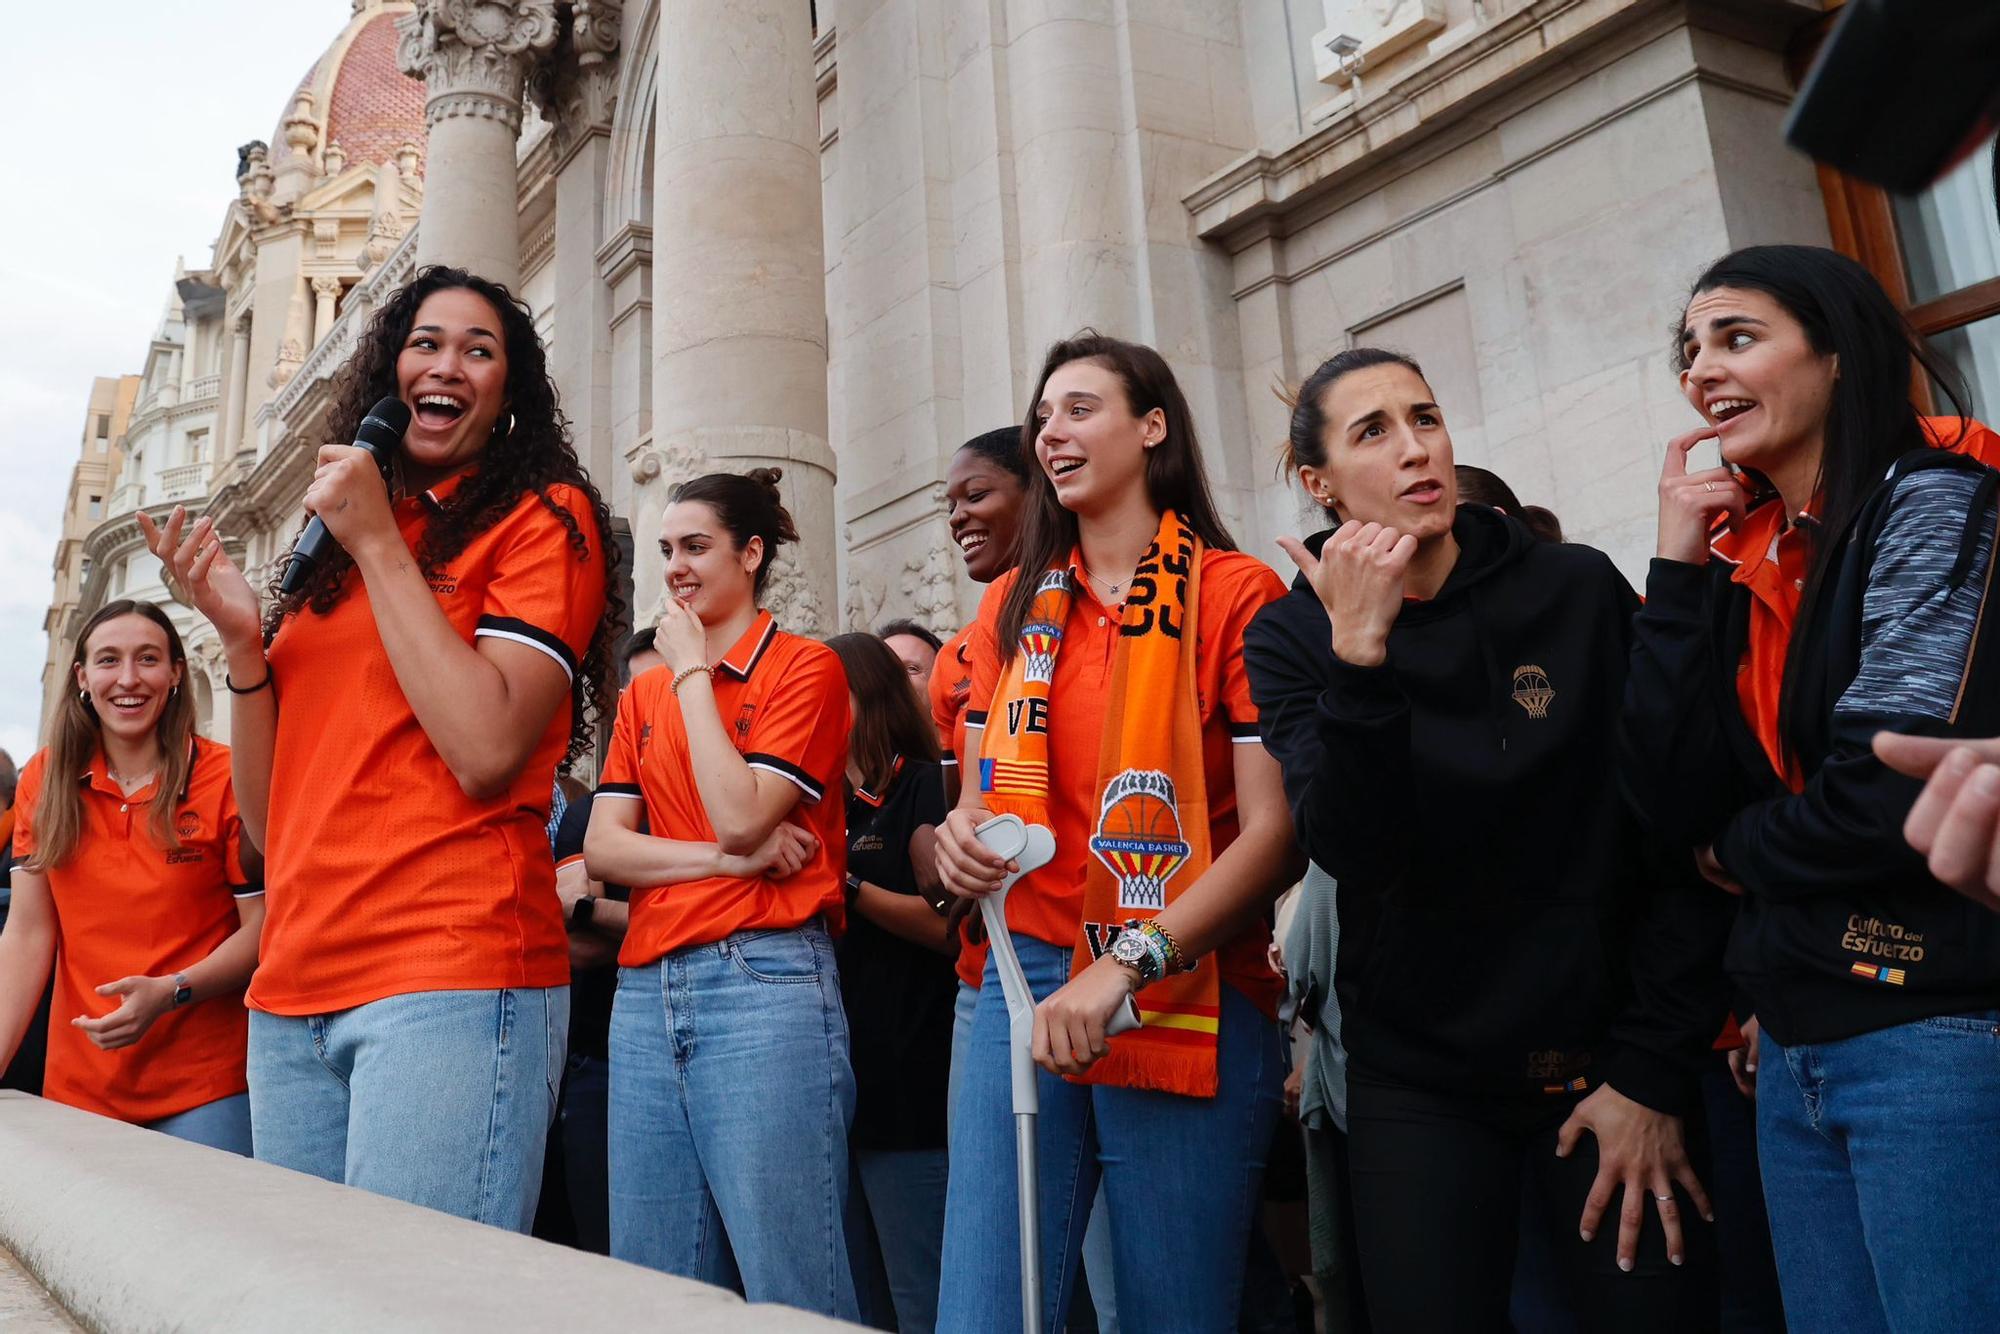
x: 1504, y: 928
x: 1843, y: 929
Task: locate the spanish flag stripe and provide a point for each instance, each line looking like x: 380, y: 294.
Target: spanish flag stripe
x: 1192, y: 1022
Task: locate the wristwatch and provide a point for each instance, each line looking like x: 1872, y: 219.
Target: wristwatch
x: 582, y: 910
x: 1133, y: 950
x: 853, y: 888
x: 183, y: 993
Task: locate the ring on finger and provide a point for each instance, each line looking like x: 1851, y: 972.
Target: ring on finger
x: 1708, y: 486
x: 1664, y: 1199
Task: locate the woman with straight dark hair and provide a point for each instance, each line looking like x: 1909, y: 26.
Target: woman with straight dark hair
x: 1827, y: 582
x: 731, y: 1091
x: 129, y: 881
x: 1109, y: 703
x: 895, y: 979
x: 397, y: 723
x: 1442, y: 690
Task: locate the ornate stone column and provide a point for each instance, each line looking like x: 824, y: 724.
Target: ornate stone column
x: 473, y: 56
x: 236, y: 390
x: 326, y: 291
x: 576, y: 89
x: 739, y: 329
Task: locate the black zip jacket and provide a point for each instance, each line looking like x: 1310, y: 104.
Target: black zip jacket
x: 1843, y: 930
x: 1504, y: 928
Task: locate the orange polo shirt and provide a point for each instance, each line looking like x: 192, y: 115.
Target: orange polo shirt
x: 1772, y: 558
x: 951, y: 686
x: 126, y: 907
x: 1048, y: 904
x: 385, y: 878
x: 785, y: 701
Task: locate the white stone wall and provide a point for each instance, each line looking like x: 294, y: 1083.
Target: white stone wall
x: 1535, y: 265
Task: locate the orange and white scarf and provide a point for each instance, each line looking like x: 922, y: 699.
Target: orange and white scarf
x: 1151, y: 839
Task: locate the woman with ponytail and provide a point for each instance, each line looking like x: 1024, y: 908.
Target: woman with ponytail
x: 129, y: 880
x: 1121, y: 625
x: 731, y: 1092
x: 397, y: 724
x: 1527, y: 990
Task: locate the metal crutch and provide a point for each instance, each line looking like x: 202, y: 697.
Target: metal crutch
x: 1029, y: 847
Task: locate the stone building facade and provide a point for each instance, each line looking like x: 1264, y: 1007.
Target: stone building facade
x: 838, y: 236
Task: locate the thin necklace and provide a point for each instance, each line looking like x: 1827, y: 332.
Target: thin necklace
x: 129, y: 785
x: 1110, y: 589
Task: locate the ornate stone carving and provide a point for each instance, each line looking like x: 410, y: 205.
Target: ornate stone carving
x: 326, y: 289
x: 408, y: 156
x: 335, y: 158
x: 670, y: 463
x: 254, y: 182
x: 385, y: 220
x: 576, y: 87
x: 473, y: 54
x: 792, y: 598
x: 924, y: 588
x: 301, y: 126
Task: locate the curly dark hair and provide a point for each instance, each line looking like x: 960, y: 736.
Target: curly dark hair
x: 532, y: 452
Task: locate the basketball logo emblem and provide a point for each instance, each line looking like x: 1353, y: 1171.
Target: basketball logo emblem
x: 1139, y: 837
x: 1532, y: 690
x: 1042, y: 632
x: 187, y: 824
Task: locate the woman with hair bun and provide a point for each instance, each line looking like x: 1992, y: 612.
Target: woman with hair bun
x: 396, y: 725
x: 731, y: 1091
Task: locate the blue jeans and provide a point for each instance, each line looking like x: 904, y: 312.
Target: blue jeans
x: 731, y: 1098
x: 961, y: 1029
x: 1183, y: 1176
x: 1881, y: 1158
x: 903, y: 1191
x: 439, y: 1098
x: 223, y: 1124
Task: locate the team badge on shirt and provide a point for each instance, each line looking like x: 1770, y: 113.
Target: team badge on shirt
x: 1532, y: 690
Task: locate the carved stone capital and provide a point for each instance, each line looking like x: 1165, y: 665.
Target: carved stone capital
x: 576, y: 87
x: 474, y: 54
x: 327, y: 288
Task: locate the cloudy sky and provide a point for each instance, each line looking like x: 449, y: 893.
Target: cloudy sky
x: 120, y: 155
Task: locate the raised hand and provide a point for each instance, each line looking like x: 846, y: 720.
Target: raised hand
x: 197, y: 564
x: 1359, y: 576
x: 1689, y: 501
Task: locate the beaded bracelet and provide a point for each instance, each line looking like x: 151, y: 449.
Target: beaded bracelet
x: 1172, y: 960
x: 686, y: 672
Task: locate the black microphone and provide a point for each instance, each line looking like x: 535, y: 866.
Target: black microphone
x: 381, y: 431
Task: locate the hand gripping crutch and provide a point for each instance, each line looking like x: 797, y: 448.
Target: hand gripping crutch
x: 1028, y: 847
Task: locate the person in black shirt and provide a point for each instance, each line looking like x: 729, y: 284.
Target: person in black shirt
x: 896, y: 977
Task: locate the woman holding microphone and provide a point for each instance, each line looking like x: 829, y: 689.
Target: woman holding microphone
x: 397, y: 725
x: 731, y: 1092
x: 129, y: 880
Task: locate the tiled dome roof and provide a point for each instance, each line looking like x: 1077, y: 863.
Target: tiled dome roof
x: 361, y: 99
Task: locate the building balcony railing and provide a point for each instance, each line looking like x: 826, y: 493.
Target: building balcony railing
x: 126, y: 499
x: 187, y: 481
x: 201, y: 387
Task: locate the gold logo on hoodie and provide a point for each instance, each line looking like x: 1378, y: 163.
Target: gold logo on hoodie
x: 1532, y: 690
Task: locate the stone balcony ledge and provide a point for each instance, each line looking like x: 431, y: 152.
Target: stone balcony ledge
x: 128, y: 1230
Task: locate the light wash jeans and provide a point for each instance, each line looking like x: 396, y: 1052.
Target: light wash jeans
x: 1183, y: 1176
x: 223, y: 1124
x: 440, y: 1098
x: 1881, y: 1162
x: 731, y: 1099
